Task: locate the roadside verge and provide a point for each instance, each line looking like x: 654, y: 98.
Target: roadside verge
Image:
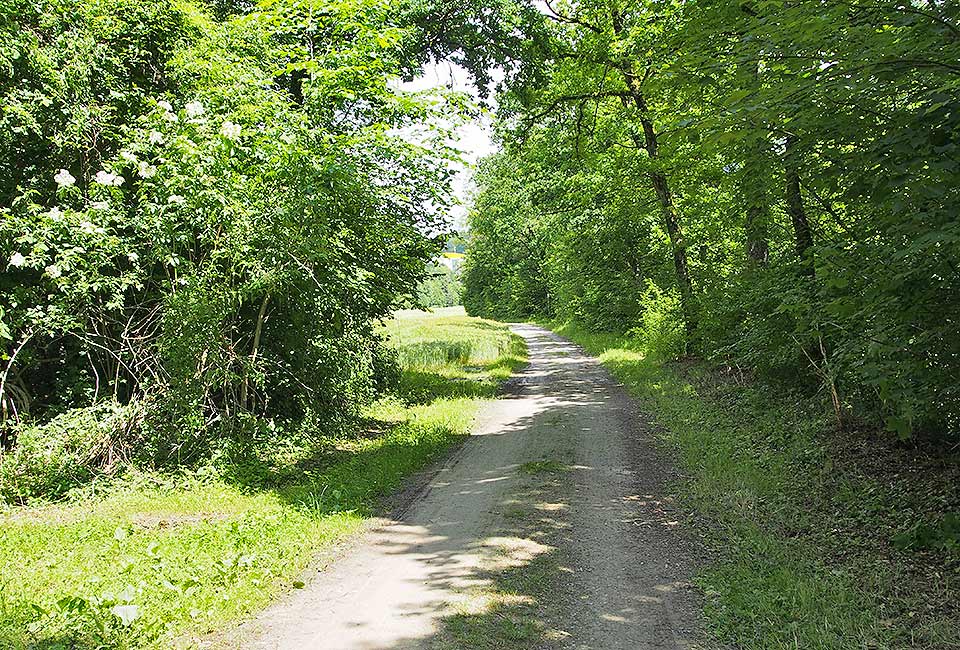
x: 811, y: 529
x: 158, y: 559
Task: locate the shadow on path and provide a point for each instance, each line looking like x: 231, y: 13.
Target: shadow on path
x: 552, y: 527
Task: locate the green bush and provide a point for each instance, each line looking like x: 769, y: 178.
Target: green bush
x: 661, y: 325
x: 51, y: 458
x: 206, y: 214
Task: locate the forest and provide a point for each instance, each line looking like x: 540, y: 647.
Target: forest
x: 214, y: 215
x: 769, y: 185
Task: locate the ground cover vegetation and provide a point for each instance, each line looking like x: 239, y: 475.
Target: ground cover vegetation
x: 162, y: 559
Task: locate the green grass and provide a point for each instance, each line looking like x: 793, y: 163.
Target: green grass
x: 451, y: 355
x: 543, y: 467
x: 187, y: 554
x: 800, y: 530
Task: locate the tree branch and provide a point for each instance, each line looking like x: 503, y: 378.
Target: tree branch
x: 570, y: 20
x: 564, y: 99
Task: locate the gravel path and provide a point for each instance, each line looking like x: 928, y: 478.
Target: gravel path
x: 551, y: 527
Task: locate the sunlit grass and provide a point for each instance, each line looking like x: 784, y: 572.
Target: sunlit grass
x: 192, y: 552
x: 449, y: 342
x: 450, y: 354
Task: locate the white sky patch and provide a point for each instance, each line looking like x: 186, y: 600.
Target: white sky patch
x: 473, y: 139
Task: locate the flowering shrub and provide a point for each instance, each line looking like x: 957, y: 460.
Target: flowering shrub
x: 204, y: 216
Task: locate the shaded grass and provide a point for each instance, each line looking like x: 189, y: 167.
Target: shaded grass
x: 192, y: 552
x: 543, y: 467
x: 802, y: 531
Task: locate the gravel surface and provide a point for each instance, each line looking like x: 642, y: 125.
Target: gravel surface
x: 553, y: 526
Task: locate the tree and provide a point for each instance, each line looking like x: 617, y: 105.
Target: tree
x: 204, y: 218
x: 801, y: 162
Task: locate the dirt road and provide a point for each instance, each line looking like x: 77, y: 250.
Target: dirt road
x: 552, y: 527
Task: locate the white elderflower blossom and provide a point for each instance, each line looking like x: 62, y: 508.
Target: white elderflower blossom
x: 17, y: 260
x: 87, y: 227
x: 133, y: 257
x: 230, y: 130
x: 129, y: 156
x: 100, y: 205
x: 147, y: 171
x: 176, y: 199
x: 194, y: 109
x: 156, y: 137
x: 64, y: 178
x: 165, y: 105
x: 53, y: 271
x: 172, y: 117
x: 55, y: 214
x: 106, y: 178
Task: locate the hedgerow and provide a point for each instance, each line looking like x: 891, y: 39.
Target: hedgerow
x: 204, y: 214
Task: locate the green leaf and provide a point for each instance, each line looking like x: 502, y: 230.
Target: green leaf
x: 899, y: 425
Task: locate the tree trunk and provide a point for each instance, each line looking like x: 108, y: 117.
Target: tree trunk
x: 258, y: 330
x: 671, y: 220
x: 803, y: 236
x: 678, y: 245
x: 661, y: 187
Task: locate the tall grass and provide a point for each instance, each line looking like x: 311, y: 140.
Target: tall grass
x: 448, y: 354
x: 447, y: 341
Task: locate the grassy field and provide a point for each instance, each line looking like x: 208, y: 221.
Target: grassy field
x: 160, y: 561
x: 805, y: 524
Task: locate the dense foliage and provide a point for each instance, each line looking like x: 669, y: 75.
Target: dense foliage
x: 773, y: 184
x: 204, y: 214
x: 441, y: 288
